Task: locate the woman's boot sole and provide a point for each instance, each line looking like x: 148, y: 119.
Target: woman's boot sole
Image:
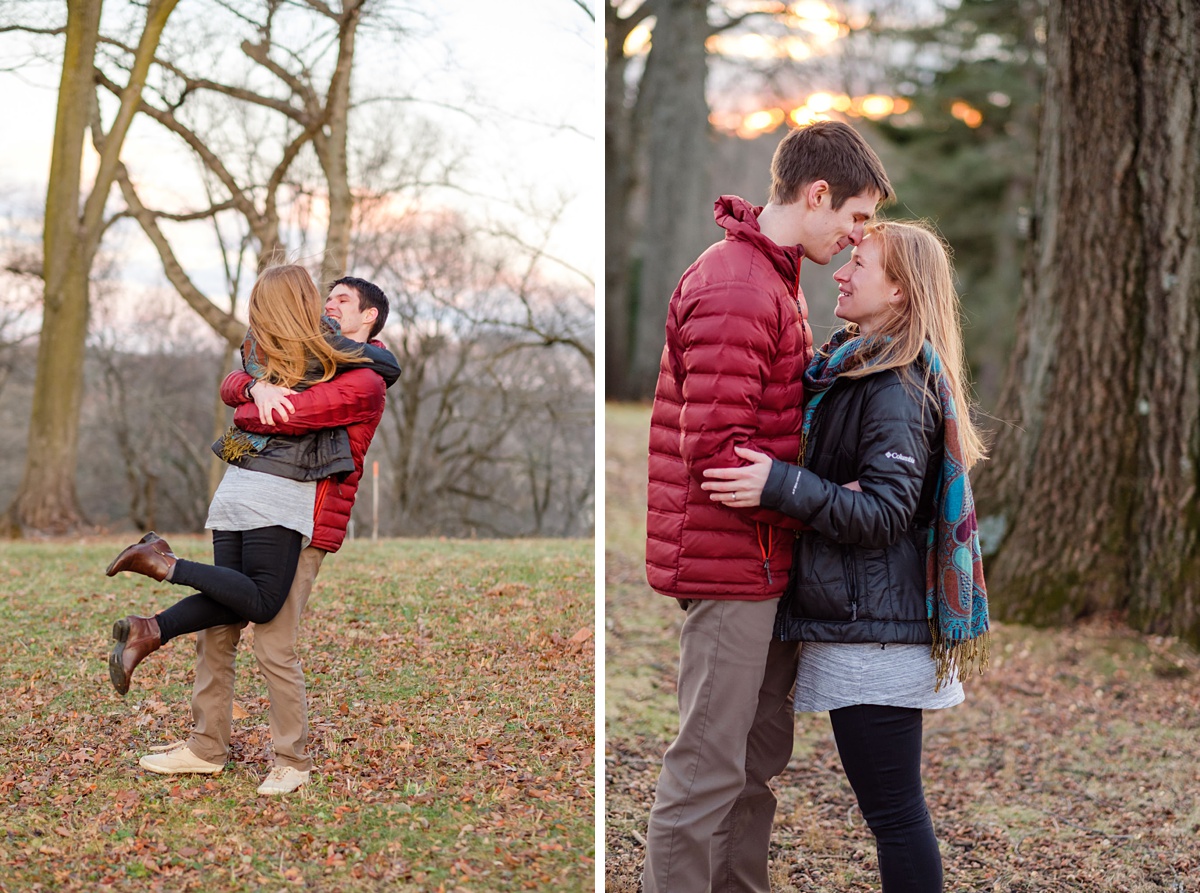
x: 116, y: 672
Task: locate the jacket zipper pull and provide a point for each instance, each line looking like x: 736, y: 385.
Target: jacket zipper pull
x: 853, y: 611
x: 767, y: 568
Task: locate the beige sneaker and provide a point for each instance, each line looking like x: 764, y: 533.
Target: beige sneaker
x: 178, y: 760
x: 282, y: 780
x: 167, y: 748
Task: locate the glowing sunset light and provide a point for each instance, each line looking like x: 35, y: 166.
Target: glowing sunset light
x: 761, y: 121
x: 745, y: 7
x: 966, y: 113
x: 818, y: 19
x: 731, y: 122
x: 806, y: 114
x: 819, y: 106
x: 876, y: 106
x: 638, y: 40
x: 812, y: 9
x: 797, y: 49
x: 747, y: 46
x: 820, y: 102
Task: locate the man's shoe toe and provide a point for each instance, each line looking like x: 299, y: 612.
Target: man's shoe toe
x: 283, y: 780
x: 179, y: 761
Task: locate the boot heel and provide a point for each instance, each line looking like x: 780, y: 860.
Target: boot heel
x: 120, y: 631
x: 116, y: 674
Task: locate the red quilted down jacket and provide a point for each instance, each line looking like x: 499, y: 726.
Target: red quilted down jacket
x: 738, y: 342
x: 354, y: 399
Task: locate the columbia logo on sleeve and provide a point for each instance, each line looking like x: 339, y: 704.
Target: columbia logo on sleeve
x: 901, y: 457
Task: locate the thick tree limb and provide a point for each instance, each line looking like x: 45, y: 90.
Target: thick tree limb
x: 224, y: 324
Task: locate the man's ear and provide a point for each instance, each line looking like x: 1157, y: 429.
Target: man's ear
x: 816, y: 193
x: 371, y: 314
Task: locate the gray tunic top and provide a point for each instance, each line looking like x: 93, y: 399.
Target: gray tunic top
x: 247, y: 500
x: 835, y: 675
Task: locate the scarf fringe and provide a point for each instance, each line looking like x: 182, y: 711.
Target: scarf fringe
x: 236, y: 444
x: 959, y: 658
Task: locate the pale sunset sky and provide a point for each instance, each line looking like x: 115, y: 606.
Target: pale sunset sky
x: 527, y: 72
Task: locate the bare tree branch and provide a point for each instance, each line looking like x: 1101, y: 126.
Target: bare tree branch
x: 224, y: 324
x: 587, y: 9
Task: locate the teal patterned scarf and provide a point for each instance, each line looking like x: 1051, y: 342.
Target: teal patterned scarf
x: 955, y: 594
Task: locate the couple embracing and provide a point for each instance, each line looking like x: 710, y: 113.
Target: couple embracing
x: 307, y: 401
x: 811, y: 512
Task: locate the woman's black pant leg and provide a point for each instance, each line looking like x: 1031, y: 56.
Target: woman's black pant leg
x: 249, y: 581
x: 880, y: 749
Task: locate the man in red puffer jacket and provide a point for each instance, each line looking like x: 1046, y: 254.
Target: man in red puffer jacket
x: 355, y: 400
x: 731, y: 375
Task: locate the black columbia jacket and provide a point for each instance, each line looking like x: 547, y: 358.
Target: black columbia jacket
x: 859, y: 574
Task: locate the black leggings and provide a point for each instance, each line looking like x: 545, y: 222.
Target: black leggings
x: 249, y: 580
x: 880, y: 749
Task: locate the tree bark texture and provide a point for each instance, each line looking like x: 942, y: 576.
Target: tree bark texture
x: 618, y: 188
x: 1090, y: 498
x: 672, y: 146
x: 46, y: 499
x: 332, y: 152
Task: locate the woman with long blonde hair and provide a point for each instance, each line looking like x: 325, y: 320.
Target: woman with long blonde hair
x: 887, y: 592
x: 262, y: 513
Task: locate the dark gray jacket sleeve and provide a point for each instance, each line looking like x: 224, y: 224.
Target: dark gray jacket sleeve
x: 892, y: 457
x: 379, y: 358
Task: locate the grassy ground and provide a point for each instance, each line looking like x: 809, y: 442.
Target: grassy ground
x: 451, y: 694
x: 1074, y: 765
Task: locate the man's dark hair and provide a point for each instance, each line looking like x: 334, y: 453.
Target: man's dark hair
x: 369, y: 295
x: 829, y: 151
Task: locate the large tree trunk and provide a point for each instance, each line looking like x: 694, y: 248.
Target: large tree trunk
x: 1165, y: 519
x: 1091, y: 495
x: 46, y: 499
x: 332, y: 152
x: 618, y: 188
x: 673, y: 142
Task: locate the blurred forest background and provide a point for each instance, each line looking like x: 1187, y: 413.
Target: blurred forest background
x: 1056, y: 145
x: 196, y: 140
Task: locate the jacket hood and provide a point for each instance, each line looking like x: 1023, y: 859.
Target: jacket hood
x: 739, y: 219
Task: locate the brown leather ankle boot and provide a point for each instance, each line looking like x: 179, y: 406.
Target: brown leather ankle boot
x: 135, y: 637
x: 151, y: 556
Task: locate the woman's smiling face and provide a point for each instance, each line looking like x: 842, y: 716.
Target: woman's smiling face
x: 865, y: 295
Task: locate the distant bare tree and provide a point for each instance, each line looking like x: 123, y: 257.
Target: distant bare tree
x: 20, y: 291
x: 248, y: 131
x: 162, y: 455
x: 488, y: 430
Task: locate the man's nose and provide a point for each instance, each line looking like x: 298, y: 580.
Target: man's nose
x: 856, y: 234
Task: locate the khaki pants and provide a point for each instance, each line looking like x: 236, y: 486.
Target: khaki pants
x: 275, y: 649
x: 710, y: 827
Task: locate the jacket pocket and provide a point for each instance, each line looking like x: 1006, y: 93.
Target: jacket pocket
x: 907, y: 570
x: 818, y: 580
